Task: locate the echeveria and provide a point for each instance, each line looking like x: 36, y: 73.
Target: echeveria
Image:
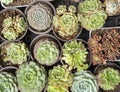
x: 8, y: 82
x: 7, y: 1
x: 75, y: 55
x: 60, y: 79
x: 84, y: 82
x: 31, y: 77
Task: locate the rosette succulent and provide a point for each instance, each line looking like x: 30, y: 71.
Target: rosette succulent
x: 66, y: 22
x: 6, y: 1
x: 13, y: 27
x: 14, y: 52
x: 31, y: 77
x: 108, y: 78
x: 75, y: 54
x: 84, y: 82
x: 60, y: 79
x: 8, y: 82
x: 40, y: 16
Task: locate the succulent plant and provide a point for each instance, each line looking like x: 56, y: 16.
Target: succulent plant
x: 40, y: 16
x: 6, y: 1
x: 108, y: 78
x: 14, y: 52
x: 8, y: 82
x: 46, y: 52
x: 75, y: 55
x: 84, y: 82
x: 60, y: 79
x: 31, y: 77
x: 66, y: 22
x: 13, y: 27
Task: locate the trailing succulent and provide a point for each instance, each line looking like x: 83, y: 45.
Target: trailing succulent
x: 8, y: 82
x: 66, y: 22
x: 13, y: 27
x: 14, y: 52
x: 60, y: 79
x: 31, y: 77
x: 84, y: 82
x: 75, y: 54
x: 108, y: 78
x: 91, y: 14
x: 46, y: 51
x: 6, y: 1
x: 40, y: 16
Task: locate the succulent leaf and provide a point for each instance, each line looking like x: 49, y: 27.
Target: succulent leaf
x: 6, y: 1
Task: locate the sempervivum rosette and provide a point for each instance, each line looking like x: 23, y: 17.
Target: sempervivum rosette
x: 8, y: 83
x: 31, y: 77
x: 84, y: 82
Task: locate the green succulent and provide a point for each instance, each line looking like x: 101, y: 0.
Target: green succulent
x: 8, y: 82
x: 6, y: 1
x: 31, y: 77
x: 108, y: 78
x: 84, y: 82
x: 60, y: 79
x: 61, y: 9
x: 13, y: 27
x: 66, y: 22
x: 75, y: 55
x: 14, y: 52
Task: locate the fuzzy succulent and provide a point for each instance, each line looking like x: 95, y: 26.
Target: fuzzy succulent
x: 60, y: 79
x: 6, y: 1
x: 13, y: 27
x: 31, y: 77
x: 91, y: 14
x: 14, y: 52
x: 8, y: 82
x: 75, y: 54
x: 108, y: 78
x: 40, y: 16
x: 84, y: 82
x: 46, y: 52
x: 66, y: 22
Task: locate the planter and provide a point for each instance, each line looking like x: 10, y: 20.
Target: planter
x: 13, y: 53
x: 104, y: 45
x: 46, y: 49
x: 65, y: 23
x: 40, y: 16
x: 13, y: 24
x: 108, y: 77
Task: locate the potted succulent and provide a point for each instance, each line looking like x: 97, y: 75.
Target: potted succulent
x: 40, y: 16
x: 91, y: 14
x: 46, y: 49
x: 65, y: 23
x: 60, y: 79
x: 84, y: 81
x: 76, y: 55
x: 108, y: 77
x: 104, y: 45
x: 31, y: 77
x: 13, y: 53
x: 13, y: 24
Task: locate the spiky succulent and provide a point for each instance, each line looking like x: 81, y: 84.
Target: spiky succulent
x: 46, y: 52
x: 75, y: 55
x: 6, y: 1
x: 13, y: 27
x: 84, y: 82
x: 60, y: 79
x: 31, y: 77
x: 8, y: 82
x: 108, y: 78
x: 14, y: 52
x: 66, y: 22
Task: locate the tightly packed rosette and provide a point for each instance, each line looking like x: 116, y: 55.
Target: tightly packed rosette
x: 31, y: 77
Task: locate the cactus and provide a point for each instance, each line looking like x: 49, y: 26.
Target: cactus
x: 6, y: 1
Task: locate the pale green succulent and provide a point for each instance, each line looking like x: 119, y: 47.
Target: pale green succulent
x: 31, y: 77
x: 84, y: 82
x: 8, y: 82
x: 75, y: 55
x: 61, y: 9
x: 6, y: 1
x: 14, y: 52
x: 60, y: 79
x: 108, y: 78
x: 13, y: 27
